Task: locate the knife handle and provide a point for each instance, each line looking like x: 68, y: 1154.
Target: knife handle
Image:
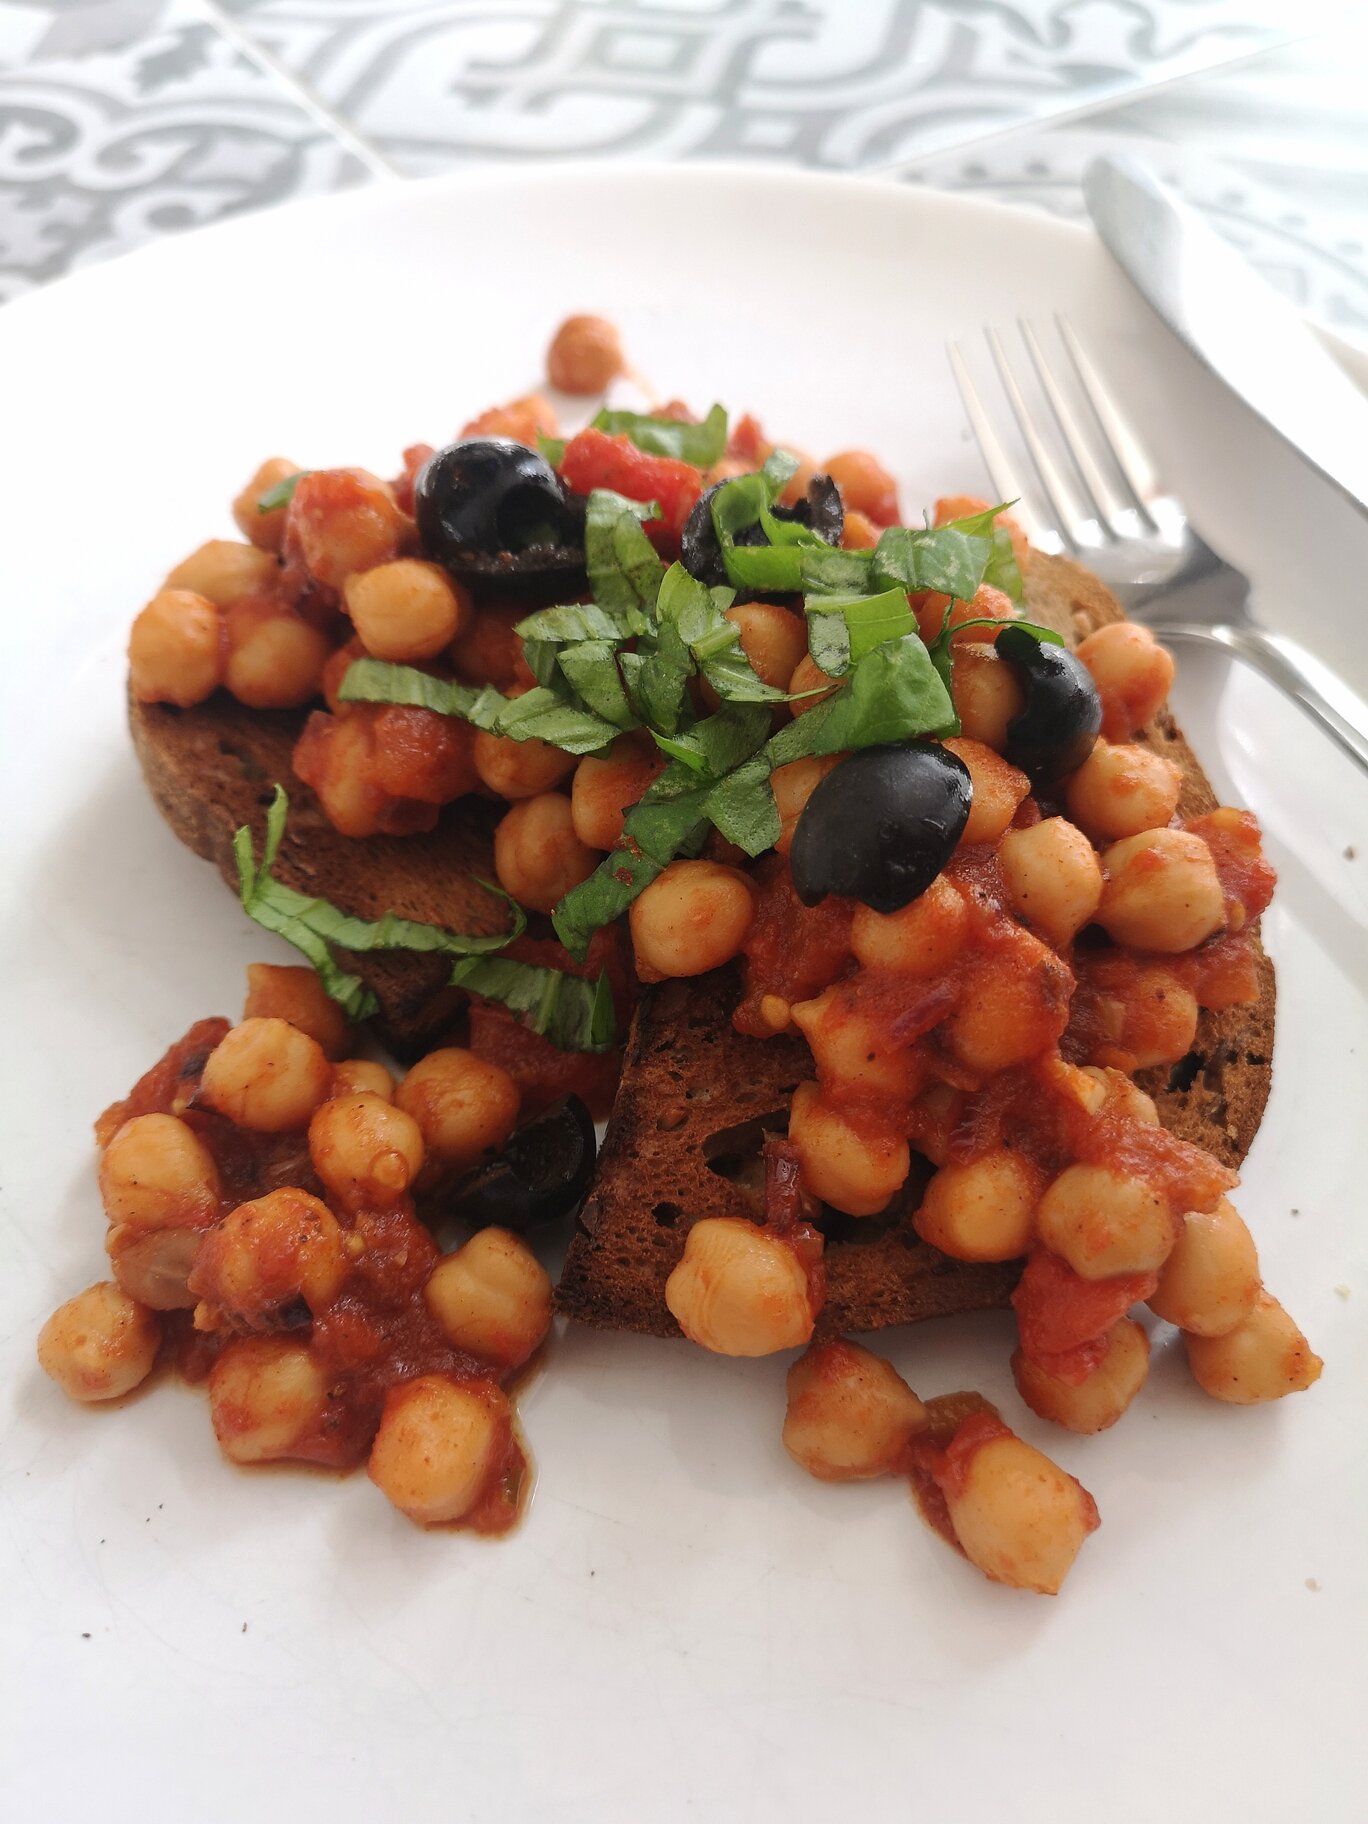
x: 1299, y: 674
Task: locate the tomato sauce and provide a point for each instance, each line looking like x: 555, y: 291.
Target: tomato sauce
x: 929, y: 1460
x: 374, y: 1334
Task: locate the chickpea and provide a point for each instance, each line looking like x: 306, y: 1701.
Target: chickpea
x: 792, y: 786
x: 264, y: 530
x: 850, y: 1045
x: 585, y: 354
x: 606, y: 786
x: 266, y: 1395
x: 1162, y: 892
x: 156, y: 1173
x: 335, y: 668
x: 266, y: 1254
x: 774, y: 639
x: 524, y: 420
x: 933, y: 611
x: 537, y: 855
x: 1020, y: 1518
x: 364, y: 1149
x: 1264, y: 1357
x: 279, y: 991
x: 1053, y: 877
x: 465, y: 1106
x: 693, y: 917
x: 224, y: 571
x: 440, y: 1445
x: 809, y: 685
x: 267, y: 1076
x: 739, y: 1290
x: 985, y: 692
x: 354, y: 1076
x: 998, y: 789
x: 420, y: 755
x: 981, y: 1209
x: 492, y: 1297
x: 1127, y: 1097
x: 488, y: 651
x: 153, y: 1266
x: 850, y: 1413
x: 520, y: 769
x: 336, y: 756
x: 856, y: 1169
x: 275, y: 658
x: 1160, y: 1022
x: 1210, y: 1282
x: 866, y: 486
x: 1098, y: 1401
x: 1104, y: 1224
x: 933, y: 1117
x: 342, y: 520
x: 1014, y: 1005
x: 921, y: 938
x: 1132, y: 672
x: 1123, y: 789
x: 176, y: 649
x: 100, y: 1344
x: 858, y: 531
x: 406, y: 610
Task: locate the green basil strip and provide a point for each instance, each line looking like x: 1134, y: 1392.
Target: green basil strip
x: 669, y: 820
x: 551, y: 450
x: 893, y: 694
x: 540, y: 714
x: 574, y: 621
x: 828, y: 570
x: 870, y: 621
x: 313, y: 925
x: 281, y: 494
x: 572, y: 1014
x: 742, y: 806
x: 719, y: 743
x: 698, y: 444
x: 829, y: 643
x: 591, y: 670
x: 624, y: 571
x: 953, y: 559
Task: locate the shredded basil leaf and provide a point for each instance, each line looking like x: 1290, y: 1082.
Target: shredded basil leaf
x: 314, y: 925
x: 591, y: 670
x: 701, y: 445
x: 281, y: 494
x: 744, y: 502
x: 719, y: 743
x: 742, y: 806
x: 829, y: 643
x: 573, y: 1014
x: 574, y: 621
x: 541, y: 714
x: 893, y: 694
x: 623, y: 568
x: 868, y: 621
x: 551, y: 450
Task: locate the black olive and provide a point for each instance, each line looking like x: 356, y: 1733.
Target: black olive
x: 489, y: 509
x: 542, y: 1172
x: 881, y: 825
x: 1056, y: 729
x: 701, y: 555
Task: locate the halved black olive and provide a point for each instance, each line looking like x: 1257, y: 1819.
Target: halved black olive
x: 1056, y: 729
x: 701, y: 555
x: 881, y: 825
x: 542, y: 1172
x: 491, y: 510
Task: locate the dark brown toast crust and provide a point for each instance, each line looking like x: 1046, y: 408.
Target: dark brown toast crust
x: 695, y: 1093
x: 213, y: 768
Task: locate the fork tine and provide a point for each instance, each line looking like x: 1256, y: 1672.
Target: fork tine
x: 1129, y: 453
x: 1104, y: 496
x: 995, y: 458
x: 1070, y: 513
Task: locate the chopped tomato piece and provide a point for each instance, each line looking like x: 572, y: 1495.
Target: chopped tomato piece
x: 1058, y: 1311
x: 593, y: 459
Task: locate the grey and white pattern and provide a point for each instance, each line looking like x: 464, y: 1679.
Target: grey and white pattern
x: 103, y: 149
x: 125, y: 119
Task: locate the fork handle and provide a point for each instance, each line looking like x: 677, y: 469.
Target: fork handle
x: 1299, y: 674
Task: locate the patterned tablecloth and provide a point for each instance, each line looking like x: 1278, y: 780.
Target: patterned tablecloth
x: 123, y: 120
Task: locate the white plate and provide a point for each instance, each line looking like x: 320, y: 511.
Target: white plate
x: 685, y: 1626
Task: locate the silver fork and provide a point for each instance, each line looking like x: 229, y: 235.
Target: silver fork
x: 1103, y: 503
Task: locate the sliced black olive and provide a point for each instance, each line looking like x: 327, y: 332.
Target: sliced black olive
x: 1056, y: 729
x: 492, y: 510
x: 543, y: 1171
x: 881, y: 825
x: 701, y: 555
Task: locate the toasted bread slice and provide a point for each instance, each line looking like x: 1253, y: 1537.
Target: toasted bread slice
x: 683, y: 1140
x: 695, y: 1095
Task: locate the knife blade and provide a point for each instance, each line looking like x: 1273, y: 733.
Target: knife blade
x: 1232, y: 320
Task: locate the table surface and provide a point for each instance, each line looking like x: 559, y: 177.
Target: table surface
x: 125, y: 120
